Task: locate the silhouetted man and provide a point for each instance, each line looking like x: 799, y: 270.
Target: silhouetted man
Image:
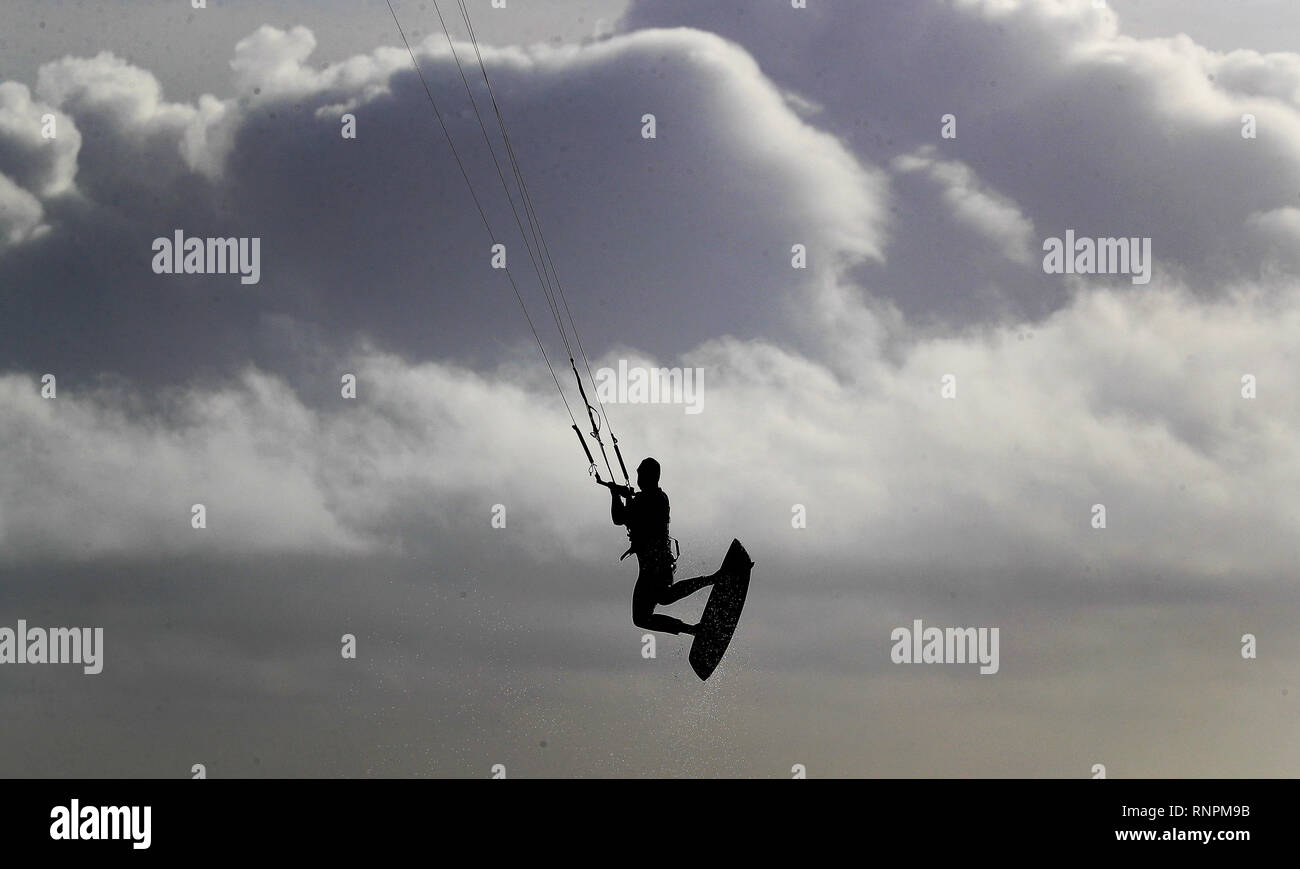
x: 645, y: 514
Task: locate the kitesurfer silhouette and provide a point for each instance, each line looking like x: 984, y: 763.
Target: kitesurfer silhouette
x: 645, y: 514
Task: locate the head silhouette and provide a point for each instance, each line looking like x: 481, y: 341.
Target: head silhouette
x: 647, y: 474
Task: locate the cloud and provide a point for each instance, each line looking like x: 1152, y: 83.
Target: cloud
x: 271, y: 60
x: 109, y: 86
x: 1060, y: 112
x: 44, y: 166
x: 20, y: 213
x: 93, y: 477
x: 32, y: 165
x: 1109, y: 372
x: 981, y: 210
x: 390, y: 206
x: 1136, y: 405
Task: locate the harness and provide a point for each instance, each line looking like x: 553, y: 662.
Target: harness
x: 674, y: 552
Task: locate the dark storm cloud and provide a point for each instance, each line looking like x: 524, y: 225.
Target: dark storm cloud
x: 380, y: 238
x: 1075, y: 123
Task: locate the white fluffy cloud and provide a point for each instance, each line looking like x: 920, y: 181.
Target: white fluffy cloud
x: 32, y: 165
x: 91, y: 478
x: 20, y: 213
x: 980, y: 209
x: 43, y: 165
x: 1135, y: 404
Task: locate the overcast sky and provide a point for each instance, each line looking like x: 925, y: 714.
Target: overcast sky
x: 822, y: 386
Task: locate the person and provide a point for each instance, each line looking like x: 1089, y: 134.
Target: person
x: 645, y: 515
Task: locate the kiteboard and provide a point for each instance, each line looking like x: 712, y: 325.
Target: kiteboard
x: 721, y: 613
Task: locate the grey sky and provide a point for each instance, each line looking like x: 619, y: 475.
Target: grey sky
x: 822, y: 387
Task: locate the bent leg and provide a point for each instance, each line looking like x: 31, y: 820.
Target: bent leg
x: 662, y: 623
x: 679, y: 590
x: 645, y: 596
